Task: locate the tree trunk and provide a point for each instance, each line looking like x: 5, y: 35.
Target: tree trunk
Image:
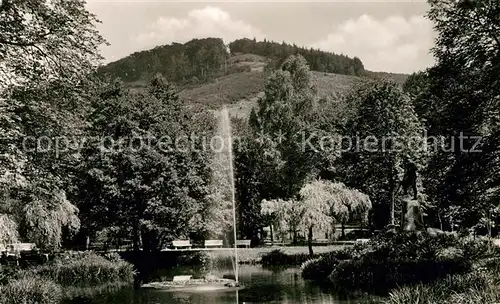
x: 440, y: 221
x: 135, y: 236
x: 309, y: 241
x: 392, y: 188
x: 272, y: 235
x: 343, y: 229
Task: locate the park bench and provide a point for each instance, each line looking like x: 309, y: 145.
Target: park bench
x: 23, y: 246
x: 362, y: 241
x: 213, y: 243
x: 181, y: 244
x: 321, y: 242
x: 182, y: 278
x: 245, y: 243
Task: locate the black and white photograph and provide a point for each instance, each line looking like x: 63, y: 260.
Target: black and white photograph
x: 217, y: 152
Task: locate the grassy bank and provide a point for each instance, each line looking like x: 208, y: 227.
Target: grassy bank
x: 64, y: 277
x: 259, y: 255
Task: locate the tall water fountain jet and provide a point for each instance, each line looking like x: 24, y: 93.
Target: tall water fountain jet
x: 225, y: 128
x: 218, y: 218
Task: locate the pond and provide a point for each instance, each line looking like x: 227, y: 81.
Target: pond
x: 261, y: 286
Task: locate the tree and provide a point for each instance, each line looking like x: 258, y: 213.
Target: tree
x: 137, y: 174
x: 461, y: 102
x: 324, y: 202
x: 283, y: 116
x: 41, y: 39
x: 48, y: 50
x: 321, y: 204
x: 387, y: 139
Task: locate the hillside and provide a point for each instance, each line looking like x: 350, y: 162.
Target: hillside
x: 206, y: 74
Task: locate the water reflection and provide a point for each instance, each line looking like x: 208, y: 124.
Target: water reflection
x: 261, y: 286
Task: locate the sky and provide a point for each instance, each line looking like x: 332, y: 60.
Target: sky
x: 390, y: 35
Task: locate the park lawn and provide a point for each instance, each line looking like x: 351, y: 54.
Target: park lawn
x: 254, y: 255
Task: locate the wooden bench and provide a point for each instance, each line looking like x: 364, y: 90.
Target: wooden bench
x: 23, y: 246
x: 181, y: 244
x: 362, y: 241
x: 245, y: 243
x: 182, y: 278
x: 213, y: 243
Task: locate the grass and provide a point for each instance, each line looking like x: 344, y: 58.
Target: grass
x: 67, y: 276
x: 473, y: 288
x: 254, y: 255
x: 30, y: 289
x: 226, y: 90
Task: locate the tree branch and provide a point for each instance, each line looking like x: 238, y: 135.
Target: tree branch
x: 26, y: 44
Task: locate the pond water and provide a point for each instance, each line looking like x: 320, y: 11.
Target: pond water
x: 261, y: 286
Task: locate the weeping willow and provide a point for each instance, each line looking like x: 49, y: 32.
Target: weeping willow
x: 336, y: 199
x: 44, y: 220
x: 8, y: 230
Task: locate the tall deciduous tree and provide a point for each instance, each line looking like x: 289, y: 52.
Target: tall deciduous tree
x: 282, y: 119
x: 463, y: 95
x: 145, y: 170
x: 387, y: 138
x: 42, y: 39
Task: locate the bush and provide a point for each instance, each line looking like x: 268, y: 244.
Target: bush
x: 380, y: 276
x: 319, y: 269
x: 30, y: 289
x: 408, y: 245
x: 393, y: 259
x: 476, y: 287
x: 279, y: 258
x: 356, y: 234
x: 199, y: 259
x: 84, y: 270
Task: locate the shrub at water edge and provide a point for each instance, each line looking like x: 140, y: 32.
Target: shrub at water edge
x: 30, y: 289
x: 85, y: 270
x: 471, y: 288
x: 390, y: 260
x: 319, y: 269
x: 379, y: 276
x: 279, y: 258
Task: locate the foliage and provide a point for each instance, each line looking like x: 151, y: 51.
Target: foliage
x: 471, y: 288
x: 387, y: 139
x: 137, y: 173
x: 356, y: 234
x: 317, y: 60
x: 30, y: 289
x: 179, y: 63
x: 389, y: 260
x: 47, y: 40
x: 200, y: 259
x: 381, y: 275
x: 8, y: 230
x: 320, y: 268
x: 279, y: 258
x: 459, y: 102
x: 87, y: 269
x: 281, y: 117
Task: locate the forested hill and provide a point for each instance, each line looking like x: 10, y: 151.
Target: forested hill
x: 202, y: 59
x: 318, y: 60
x: 198, y: 59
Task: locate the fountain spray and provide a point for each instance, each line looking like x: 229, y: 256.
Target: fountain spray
x: 226, y: 127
